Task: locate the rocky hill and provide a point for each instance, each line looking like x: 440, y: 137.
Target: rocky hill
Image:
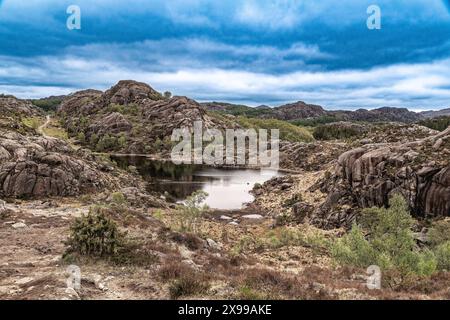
x: 436, y: 114
x: 298, y: 110
x: 131, y: 117
x: 385, y: 114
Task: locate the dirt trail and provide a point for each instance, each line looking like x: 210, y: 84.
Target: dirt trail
x: 42, y: 127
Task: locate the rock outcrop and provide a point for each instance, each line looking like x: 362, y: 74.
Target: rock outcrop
x: 113, y: 123
x: 298, y: 110
x: 369, y: 175
x: 177, y: 112
x: 81, y: 103
x: 10, y: 106
x: 40, y: 166
x: 128, y: 91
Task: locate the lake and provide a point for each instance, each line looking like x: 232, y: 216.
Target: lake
x: 227, y: 188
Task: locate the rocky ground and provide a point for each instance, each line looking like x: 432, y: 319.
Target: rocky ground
x: 51, y: 174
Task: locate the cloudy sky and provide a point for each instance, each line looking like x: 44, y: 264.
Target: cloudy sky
x: 247, y: 51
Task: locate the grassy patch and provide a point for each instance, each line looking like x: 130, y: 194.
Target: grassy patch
x: 32, y: 122
x: 56, y: 132
x: 288, y: 131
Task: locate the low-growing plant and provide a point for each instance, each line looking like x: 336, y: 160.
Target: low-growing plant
x: 158, y: 214
x: 33, y: 123
x: 385, y: 238
x: 188, y: 284
x: 118, y: 198
x: 94, y: 235
x: 257, y: 186
x: 247, y: 293
x: 81, y: 137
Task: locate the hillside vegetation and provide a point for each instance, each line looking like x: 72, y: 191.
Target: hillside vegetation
x: 288, y: 131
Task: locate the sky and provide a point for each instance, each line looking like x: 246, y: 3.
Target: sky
x: 249, y: 51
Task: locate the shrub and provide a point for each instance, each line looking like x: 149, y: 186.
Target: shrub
x: 173, y: 270
x: 117, y: 108
x: 118, y: 198
x: 93, y: 139
x: 443, y: 256
x: 107, y: 143
x: 257, y: 186
x: 167, y: 95
x: 187, y: 285
x: 439, y: 233
x: 122, y: 141
x: 192, y: 210
x: 94, y: 235
x: 389, y: 242
x: 81, y: 137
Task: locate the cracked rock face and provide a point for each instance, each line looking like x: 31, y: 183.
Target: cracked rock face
x: 10, y: 105
x: 369, y: 175
x: 128, y: 91
x: 113, y: 123
x: 176, y: 113
x: 37, y: 167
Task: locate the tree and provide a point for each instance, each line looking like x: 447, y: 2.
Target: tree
x: 192, y: 211
x: 384, y: 238
x: 167, y: 95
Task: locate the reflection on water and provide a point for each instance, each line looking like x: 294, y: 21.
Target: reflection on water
x: 228, y: 189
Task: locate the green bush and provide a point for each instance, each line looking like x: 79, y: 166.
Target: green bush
x: 167, y: 95
x: 122, y: 141
x: 118, y: 198
x: 107, y: 143
x: 81, y: 137
x: 439, y: 233
x: 94, y: 235
x: 117, y: 108
x: 389, y: 243
x: 442, y: 253
x: 191, y: 211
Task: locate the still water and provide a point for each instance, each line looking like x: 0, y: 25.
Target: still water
x: 228, y: 189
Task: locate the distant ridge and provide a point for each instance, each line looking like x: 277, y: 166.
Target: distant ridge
x: 301, y: 111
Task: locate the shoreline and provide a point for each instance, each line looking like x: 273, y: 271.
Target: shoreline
x: 223, y: 166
